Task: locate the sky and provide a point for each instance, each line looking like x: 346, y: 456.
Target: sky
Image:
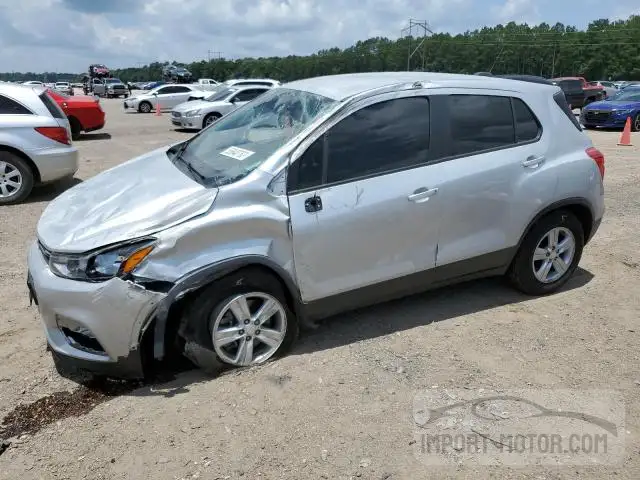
x: 68, y: 35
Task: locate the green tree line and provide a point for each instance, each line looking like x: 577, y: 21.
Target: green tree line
x: 604, y: 50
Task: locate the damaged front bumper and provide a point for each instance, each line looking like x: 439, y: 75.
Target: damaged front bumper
x: 94, y: 327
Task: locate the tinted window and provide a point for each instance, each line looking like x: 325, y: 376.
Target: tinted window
x: 52, y: 106
x: 11, y: 107
x: 379, y: 138
x: 561, y: 101
x: 164, y: 90
x: 248, y: 95
x: 180, y: 89
x: 309, y: 167
x: 570, y: 86
x: 527, y: 127
x: 480, y: 122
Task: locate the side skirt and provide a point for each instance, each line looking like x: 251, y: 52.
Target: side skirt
x: 487, y: 265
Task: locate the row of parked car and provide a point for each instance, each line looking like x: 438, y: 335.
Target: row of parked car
x: 37, y: 126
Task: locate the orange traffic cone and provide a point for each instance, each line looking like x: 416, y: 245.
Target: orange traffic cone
x: 158, y: 109
x: 625, y: 138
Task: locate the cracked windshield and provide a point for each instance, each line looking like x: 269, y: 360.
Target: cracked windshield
x: 238, y: 143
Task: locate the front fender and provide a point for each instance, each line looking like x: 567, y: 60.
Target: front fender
x: 210, y: 273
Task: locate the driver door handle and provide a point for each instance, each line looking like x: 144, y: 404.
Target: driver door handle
x: 422, y: 195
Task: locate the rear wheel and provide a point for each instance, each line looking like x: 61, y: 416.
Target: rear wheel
x: 76, y: 128
x: 549, y: 254
x: 16, y: 179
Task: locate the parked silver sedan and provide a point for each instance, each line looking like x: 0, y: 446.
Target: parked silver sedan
x: 166, y: 96
x: 198, y: 114
x: 35, y: 141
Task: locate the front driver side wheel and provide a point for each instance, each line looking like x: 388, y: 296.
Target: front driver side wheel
x: 635, y: 124
x: 549, y: 254
x: 243, y: 319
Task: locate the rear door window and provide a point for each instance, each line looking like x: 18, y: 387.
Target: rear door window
x: 480, y: 122
x: 11, y: 107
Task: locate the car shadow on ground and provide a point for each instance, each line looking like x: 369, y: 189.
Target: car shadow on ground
x: 439, y: 305
x: 87, y: 137
x: 345, y: 329
x: 46, y: 193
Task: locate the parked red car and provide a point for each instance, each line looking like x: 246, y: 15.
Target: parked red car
x: 84, y: 112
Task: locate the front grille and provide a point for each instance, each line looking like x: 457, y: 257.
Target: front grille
x: 595, y: 116
x: 176, y: 114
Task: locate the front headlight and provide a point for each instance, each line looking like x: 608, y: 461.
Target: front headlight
x: 626, y: 111
x: 192, y: 113
x: 103, y: 265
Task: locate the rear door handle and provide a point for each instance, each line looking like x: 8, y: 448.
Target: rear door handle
x: 422, y: 195
x: 533, y: 162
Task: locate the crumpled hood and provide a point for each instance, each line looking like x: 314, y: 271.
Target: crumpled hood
x: 134, y: 199
x: 192, y: 105
x: 612, y: 105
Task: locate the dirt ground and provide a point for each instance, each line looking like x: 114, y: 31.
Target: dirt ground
x: 340, y: 406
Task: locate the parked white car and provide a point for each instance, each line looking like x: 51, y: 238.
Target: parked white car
x: 198, y: 114
x: 35, y: 142
x: 166, y: 96
x: 239, y: 82
x: 63, y: 87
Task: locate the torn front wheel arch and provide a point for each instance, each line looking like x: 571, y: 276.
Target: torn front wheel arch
x: 172, y: 317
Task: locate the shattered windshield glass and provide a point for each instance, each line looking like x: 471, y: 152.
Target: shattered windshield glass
x: 239, y: 142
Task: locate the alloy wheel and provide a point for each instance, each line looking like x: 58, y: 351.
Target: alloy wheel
x: 553, y: 255
x: 10, y: 180
x: 249, y: 329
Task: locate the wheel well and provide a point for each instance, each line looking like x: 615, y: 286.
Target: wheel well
x: 32, y: 166
x: 584, y: 215
x: 74, y: 121
x: 581, y: 211
x: 178, y: 307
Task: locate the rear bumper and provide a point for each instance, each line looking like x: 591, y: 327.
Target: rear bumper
x: 55, y: 163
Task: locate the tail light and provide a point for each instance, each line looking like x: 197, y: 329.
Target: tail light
x: 58, y: 134
x: 597, y: 156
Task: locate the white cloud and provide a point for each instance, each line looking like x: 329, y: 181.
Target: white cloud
x: 520, y: 11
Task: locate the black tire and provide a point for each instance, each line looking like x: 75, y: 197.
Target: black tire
x: 144, y: 107
x: 76, y: 128
x: 17, y: 196
x: 635, y: 123
x: 210, y: 118
x: 207, y: 305
x: 521, y: 272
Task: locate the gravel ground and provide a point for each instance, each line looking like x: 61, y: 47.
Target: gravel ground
x: 340, y: 406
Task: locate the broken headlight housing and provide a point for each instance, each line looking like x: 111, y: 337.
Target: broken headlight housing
x: 116, y: 261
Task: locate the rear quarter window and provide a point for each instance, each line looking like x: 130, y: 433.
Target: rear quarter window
x: 11, y: 107
x: 51, y: 105
x: 561, y: 101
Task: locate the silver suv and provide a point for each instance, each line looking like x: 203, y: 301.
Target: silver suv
x: 317, y: 197
x: 35, y: 142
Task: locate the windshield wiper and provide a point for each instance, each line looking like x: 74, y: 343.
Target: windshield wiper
x: 178, y: 157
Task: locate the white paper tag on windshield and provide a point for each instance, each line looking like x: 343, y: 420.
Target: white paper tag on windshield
x: 237, y: 153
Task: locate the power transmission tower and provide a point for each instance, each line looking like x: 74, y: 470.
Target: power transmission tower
x: 420, y: 30
x: 215, y: 54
